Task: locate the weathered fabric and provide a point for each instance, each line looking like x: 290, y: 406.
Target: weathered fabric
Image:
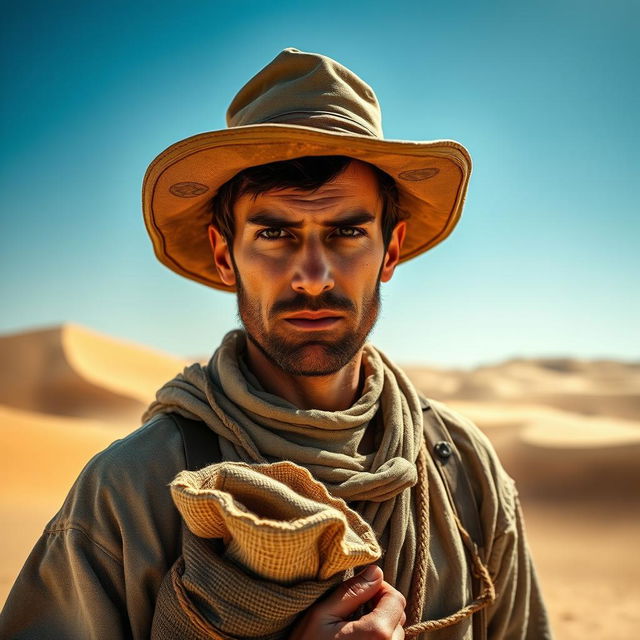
x: 256, y: 426
x: 274, y: 525
x: 275, y: 520
x: 97, y: 569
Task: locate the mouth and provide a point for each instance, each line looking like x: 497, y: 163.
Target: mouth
x: 313, y: 320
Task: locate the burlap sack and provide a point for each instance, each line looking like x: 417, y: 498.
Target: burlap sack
x: 262, y: 543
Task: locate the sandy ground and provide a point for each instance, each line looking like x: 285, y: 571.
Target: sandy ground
x: 568, y: 431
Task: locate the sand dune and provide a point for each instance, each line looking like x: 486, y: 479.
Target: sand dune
x: 65, y: 393
x: 561, y: 455
x: 72, y: 371
x: 567, y: 430
x: 600, y: 387
x: 54, y: 448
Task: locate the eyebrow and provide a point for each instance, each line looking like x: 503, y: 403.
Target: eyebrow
x: 270, y: 219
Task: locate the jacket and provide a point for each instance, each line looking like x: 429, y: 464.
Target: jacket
x: 96, y: 570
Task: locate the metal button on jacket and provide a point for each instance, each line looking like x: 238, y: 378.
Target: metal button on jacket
x: 443, y: 450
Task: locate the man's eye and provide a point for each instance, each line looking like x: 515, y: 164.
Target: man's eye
x: 350, y: 232
x: 273, y: 233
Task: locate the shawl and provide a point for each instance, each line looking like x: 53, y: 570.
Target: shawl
x: 257, y: 427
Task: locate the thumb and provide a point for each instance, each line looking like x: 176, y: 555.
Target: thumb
x: 354, y: 592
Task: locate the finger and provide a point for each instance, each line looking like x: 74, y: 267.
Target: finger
x: 385, y: 587
x: 398, y: 633
x: 390, y: 608
x: 346, y: 599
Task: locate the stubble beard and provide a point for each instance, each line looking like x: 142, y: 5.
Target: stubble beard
x: 312, y: 357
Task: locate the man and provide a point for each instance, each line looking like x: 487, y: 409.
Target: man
x: 303, y: 209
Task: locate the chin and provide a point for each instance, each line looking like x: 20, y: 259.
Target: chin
x: 316, y: 359
x: 312, y: 358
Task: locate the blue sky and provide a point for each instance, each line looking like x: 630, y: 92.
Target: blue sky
x: 545, y: 95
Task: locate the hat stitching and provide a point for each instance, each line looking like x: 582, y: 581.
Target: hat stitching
x: 328, y: 113
x: 301, y: 130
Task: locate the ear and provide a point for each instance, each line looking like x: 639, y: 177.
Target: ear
x: 222, y: 256
x: 392, y: 256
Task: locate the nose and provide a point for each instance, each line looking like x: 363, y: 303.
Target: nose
x: 313, y: 273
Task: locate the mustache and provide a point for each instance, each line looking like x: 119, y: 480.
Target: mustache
x: 301, y: 302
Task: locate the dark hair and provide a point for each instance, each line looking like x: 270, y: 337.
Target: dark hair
x: 307, y: 174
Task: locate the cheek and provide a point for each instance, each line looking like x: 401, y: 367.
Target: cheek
x: 362, y: 267
x: 358, y: 281
x: 263, y: 284
x: 260, y: 268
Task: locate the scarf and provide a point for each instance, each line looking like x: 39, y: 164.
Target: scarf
x: 257, y: 427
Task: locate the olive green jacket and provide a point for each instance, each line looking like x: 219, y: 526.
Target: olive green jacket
x: 96, y: 570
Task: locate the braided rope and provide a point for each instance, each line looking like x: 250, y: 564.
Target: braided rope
x: 418, y: 584
x: 419, y: 578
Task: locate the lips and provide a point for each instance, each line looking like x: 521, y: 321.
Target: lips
x: 313, y: 320
x: 319, y: 323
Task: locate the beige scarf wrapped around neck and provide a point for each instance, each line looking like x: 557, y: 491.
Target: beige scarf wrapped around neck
x: 255, y: 426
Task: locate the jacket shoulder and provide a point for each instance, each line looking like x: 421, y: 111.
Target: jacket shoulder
x: 125, y: 487
x: 494, y: 490
x: 152, y: 445
x: 146, y: 458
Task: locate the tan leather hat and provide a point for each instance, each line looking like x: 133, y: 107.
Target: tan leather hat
x: 300, y: 104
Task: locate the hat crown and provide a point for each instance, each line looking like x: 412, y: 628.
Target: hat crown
x: 311, y: 90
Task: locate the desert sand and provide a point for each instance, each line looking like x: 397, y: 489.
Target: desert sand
x: 567, y: 430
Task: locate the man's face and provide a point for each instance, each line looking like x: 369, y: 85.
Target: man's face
x: 307, y: 268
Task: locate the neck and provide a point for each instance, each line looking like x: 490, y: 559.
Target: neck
x: 334, y: 392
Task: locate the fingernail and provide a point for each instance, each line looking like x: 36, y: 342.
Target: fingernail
x: 370, y: 574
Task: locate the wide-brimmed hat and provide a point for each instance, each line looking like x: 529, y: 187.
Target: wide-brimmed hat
x: 300, y: 104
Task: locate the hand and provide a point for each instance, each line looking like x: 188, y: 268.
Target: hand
x: 329, y: 619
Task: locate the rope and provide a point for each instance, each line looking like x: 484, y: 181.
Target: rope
x: 419, y: 578
x: 418, y: 584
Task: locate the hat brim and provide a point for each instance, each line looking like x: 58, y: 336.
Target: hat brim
x: 432, y: 179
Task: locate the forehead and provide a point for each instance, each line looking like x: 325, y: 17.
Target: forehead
x: 355, y: 187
